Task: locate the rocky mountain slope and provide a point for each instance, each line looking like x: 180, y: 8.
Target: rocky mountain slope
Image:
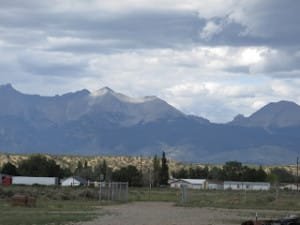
x: 109, y: 123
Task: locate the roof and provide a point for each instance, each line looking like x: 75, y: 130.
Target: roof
x: 191, y: 181
x: 79, y: 179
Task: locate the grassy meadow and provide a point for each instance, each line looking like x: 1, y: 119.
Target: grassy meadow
x: 48, y: 212
x: 273, y: 200
x: 55, y: 205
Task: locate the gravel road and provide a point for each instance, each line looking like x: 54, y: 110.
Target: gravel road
x: 162, y: 213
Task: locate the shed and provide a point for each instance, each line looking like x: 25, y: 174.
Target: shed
x: 74, y: 181
x: 189, y: 183
x: 5, y: 180
x: 241, y: 185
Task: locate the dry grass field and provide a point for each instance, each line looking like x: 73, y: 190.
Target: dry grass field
x: 58, y: 205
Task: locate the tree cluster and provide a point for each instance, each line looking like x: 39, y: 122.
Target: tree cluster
x: 191, y: 173
x: 36, y: 166
x: 236, y: 171
x: 41, y: 166
x: 233, y: 171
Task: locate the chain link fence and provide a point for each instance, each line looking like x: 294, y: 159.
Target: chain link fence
x: 113, y: 191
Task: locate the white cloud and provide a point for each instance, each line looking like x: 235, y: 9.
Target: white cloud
x: 211, y: 28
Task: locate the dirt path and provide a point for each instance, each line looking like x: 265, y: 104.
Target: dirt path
x: 162, y: 213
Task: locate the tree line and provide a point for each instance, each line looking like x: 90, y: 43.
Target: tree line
x: 156, y: 175
x: 236, y: 171
x: 41, y: 166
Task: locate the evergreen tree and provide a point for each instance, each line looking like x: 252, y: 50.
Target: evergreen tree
x: 79, y: 168
x: 164, y: 171
x: 101, y: 171
x: 156, y: 171
x: 84, y: 171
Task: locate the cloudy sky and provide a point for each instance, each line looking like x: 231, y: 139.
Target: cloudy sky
x: 212, y: 58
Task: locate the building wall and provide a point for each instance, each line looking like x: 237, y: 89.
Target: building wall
x: 255, y: 186
x: 21, y: 180
x: 292, y: 187
x: 179, y: 184
x: 214, y: 186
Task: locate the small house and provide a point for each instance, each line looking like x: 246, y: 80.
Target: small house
x: 189, y: 183
x: 251, y: 186
x: 74, y: 181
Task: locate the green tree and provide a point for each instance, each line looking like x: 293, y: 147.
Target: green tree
x: 84, y: 171
x: 10, y: 169
x: 164, y: 171
x: 65, y: 172
x: 233, y: 170
x: 38, y: 165
x: 79, y: 167
x: 181, y: 174
x: 283, y: 176
x: 128, y: 174
x: 198, y: 172
x: 156, y: 171
x: 216, y: 174
x: 249, y: 174
x: 103, y: 171
x: 261, y: 175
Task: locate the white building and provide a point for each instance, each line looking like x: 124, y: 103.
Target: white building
x: 23, y: 180
x: 73, y: 181
x: 291, y: 187
x: 239, y: 185
x: 215, y: 185
x: 189, y: 183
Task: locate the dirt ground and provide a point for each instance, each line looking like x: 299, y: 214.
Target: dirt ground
x: 162, y: 213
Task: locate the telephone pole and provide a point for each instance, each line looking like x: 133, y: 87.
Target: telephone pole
x: 297, y: 174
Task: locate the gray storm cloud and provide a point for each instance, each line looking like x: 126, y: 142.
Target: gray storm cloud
x: 183, y: 52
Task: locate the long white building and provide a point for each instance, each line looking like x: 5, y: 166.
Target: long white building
x: 240, y: 185
x: 189, y: 183
x: 23, y: 180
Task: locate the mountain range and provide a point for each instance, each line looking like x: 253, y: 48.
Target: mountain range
x: 105, y: 122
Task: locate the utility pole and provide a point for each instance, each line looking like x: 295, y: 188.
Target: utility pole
x: 150, y: 183
x: 297, y: 174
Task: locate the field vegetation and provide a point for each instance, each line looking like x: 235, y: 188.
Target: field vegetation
x: 58, y: 205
